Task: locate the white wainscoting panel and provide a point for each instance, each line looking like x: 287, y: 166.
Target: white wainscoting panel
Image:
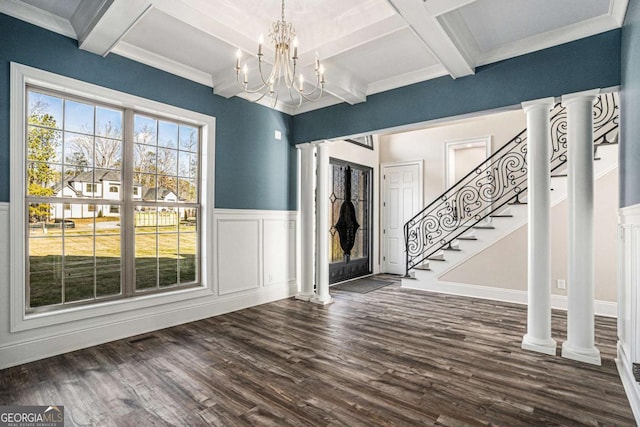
x: 629, y: 302
x: 241, y: 243
x: 255, y: 249
x: 279, y: 242
x: 238, y: 254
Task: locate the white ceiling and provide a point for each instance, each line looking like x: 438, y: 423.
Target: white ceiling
x: 367, y: 46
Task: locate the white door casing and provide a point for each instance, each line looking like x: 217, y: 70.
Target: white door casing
x: 401, y: 200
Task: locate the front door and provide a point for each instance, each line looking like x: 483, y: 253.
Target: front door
x: 350, y: 227
x: 401, y: 191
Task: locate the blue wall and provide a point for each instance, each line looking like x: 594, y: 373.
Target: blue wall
x: 584, y: 64
x: 630, y: 109
x: 253, y: 170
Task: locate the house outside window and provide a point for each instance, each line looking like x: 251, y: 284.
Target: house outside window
x: 73, y: 144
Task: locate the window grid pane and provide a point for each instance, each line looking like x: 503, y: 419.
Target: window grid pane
x: 75, y: 199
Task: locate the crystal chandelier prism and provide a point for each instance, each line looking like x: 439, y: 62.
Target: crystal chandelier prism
x: 283, y: 69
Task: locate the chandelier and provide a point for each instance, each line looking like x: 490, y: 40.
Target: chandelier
x: 283, y: 37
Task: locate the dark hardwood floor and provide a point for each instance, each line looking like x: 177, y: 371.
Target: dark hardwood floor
x: 390, y: 357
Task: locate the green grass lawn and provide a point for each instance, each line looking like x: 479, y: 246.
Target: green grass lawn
x: 91, y: 266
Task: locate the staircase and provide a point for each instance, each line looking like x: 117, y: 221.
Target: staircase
x: 490, y: 202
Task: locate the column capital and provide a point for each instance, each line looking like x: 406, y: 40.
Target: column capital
x: 324, y: 143
x: 547, y: 103
x: 587, y: 95
x: 305, y: 145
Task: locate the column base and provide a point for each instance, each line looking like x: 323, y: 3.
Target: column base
x: 586, y: 355
x: 303, y: 296
x: 321, y: 300
x: 546, y: 346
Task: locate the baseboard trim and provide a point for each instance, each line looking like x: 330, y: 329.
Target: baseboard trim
x: 602, y: 308
x: 28, y: 351
x: 631, y: 387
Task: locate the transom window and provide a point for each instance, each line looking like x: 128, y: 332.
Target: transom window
x: 87, y: 244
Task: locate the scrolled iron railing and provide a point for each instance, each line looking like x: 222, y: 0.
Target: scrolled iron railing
x: 497, y: 181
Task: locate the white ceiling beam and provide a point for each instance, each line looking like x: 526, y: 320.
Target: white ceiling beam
x: 440, y: 7
x: 108, y: 23
x: 87, y: 15
x: 435, y: 38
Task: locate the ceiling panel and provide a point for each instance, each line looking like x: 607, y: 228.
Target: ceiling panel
x: 397, y: 53
x: 494, y: 23
x: 63, y: 8
x: 164, y: 35
x: 316, y: 21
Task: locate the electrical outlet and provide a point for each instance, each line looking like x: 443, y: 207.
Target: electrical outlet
x: 277, y: 135
x: 562, y: 284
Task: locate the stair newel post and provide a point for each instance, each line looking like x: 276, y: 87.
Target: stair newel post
x: 580, y: 343
x: 538, y: 337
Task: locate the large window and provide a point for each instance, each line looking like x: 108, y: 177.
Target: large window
x: 86, y: 240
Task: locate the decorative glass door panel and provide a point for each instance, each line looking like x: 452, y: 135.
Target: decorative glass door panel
x: 350, y: 205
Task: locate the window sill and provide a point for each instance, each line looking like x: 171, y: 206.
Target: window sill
x: 93, y: 311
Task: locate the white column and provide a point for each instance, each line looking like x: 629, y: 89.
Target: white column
x: 322, y: 227
x: 538, y: 337
x: 307, y: 221
x: 580, y: 270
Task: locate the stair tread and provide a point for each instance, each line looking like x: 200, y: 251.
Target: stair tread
x: 561, y: 175
x: 422, y: 268
x: 467, y: 238
x: 484, y: 227
x: 452, y: 249
x: 436, y: 259
x: 501, y: 216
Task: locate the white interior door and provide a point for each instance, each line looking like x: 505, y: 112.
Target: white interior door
x: 401, y: 200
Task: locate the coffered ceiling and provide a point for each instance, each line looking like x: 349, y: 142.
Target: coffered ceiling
x: 367, y: 46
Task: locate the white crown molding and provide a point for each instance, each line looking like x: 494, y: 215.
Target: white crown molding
x: 37, y: 16
x: 154, y: 60
x: 549, y: 39
x: 618, y: 9
x: 406, y: 79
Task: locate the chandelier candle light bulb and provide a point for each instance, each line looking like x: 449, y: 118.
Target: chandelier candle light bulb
x: 283, y: 68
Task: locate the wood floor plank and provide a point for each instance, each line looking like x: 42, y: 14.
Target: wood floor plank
x: 391, y: 357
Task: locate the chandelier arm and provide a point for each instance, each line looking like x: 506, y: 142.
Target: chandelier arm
x: 264, y: 83
x: 309, y: 95
x: 246, y: 89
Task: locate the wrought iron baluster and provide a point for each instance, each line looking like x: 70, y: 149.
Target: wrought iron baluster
x: 500, y: 179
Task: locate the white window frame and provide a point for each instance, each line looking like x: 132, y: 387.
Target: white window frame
x: 20, y: 320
